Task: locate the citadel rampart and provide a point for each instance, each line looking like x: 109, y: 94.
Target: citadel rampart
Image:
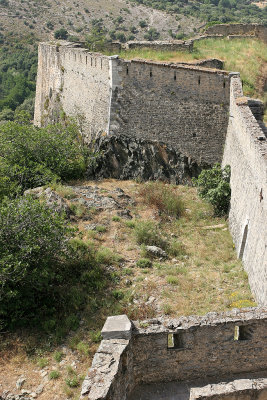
x: 246, y: 152
x: 209, y: 348
x: 184, y: 106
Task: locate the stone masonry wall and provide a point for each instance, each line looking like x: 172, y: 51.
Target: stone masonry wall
x: 206, y: 347
x: 246, y: 153
x: 181, y: 105
x: 172, y: 45
x: 211, y: 348
x: 73, y: 80
x: 256, y: 30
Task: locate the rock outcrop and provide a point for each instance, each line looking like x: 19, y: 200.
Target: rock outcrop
x: 124, y: 157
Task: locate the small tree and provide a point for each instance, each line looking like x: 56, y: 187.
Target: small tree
x: 214, y: 186
x: 152, y: 34
x: 32, y: 247
x: 61, y: 33
x: 97, y: 40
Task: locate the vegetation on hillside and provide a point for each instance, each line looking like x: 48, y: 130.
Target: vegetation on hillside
x: 18, y: 68
x: 31, y: 156
x: 214, y: 186
x: 212, y: 11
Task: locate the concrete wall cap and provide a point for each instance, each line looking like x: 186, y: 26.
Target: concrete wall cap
x: 117, y: 327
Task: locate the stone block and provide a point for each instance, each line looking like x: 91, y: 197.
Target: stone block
x: 118, y: 327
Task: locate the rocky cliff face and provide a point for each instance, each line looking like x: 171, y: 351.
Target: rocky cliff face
x: 124, y: 157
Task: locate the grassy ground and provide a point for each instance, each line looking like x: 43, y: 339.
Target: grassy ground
x: 201, y: 273
x: 248, y: 56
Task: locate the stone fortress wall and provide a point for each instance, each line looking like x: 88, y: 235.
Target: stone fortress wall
x: 192, y: 349
x: 72, y: 80
x: 183, y: 105
x: 246, y: 152
x: 187, y: 107
x: 239, y: 30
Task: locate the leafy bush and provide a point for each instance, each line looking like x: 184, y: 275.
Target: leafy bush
x: 54, y: 374
x: 142, y: 24
x: 31, y: 157
x: 144, y: 263
x: 43, y: 274
x: 163, y: 198
x: 152, y: 34
x: 176, y: 248
x: 214, y: 186
x: 61, y: 33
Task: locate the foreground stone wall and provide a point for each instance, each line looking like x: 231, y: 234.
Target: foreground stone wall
x: 181, y: 105
x: 215, y: 346
x: 240, y: 389
x: 246, y: 153
x: 74, y: 81
x: 205, y: 347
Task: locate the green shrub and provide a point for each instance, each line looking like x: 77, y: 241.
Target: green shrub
x: 172, y: 280
x: 163, y: 198
x: 43, y: 274
x: 106, y: 256
x: 142, y: 24
x: 54, y: 374
x: 144, y: 263
x: 130, y: 224
x: 95, y: 336
x: 176, y: 248
x: 58, y: 355
x: 42, y: 362
x: 31, y: 157
x: 147, y: 232
x: 72, y: 382
x: 83, y: 348
x: 61, y: 33
x: 214, y: 186
x: 152, y: 34
x: 101, y: 228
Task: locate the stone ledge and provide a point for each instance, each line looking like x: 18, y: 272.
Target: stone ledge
x: 249, y: 388
x: 118, y: 327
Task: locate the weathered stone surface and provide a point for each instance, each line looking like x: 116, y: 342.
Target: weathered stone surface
x: 247, y: 156
x: 20, y: 382
x: 52, y: 199
x: 124, y: 157
x: 207, y: 351
x: 254, y: 30
x: 184, y: 106
x: 109, y: 373
x: 118, y: 327
x: 240, y: 389
x: 156, y: 251
x: 92, y: 197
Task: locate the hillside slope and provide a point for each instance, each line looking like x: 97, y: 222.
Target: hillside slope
x: 43, y: 18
